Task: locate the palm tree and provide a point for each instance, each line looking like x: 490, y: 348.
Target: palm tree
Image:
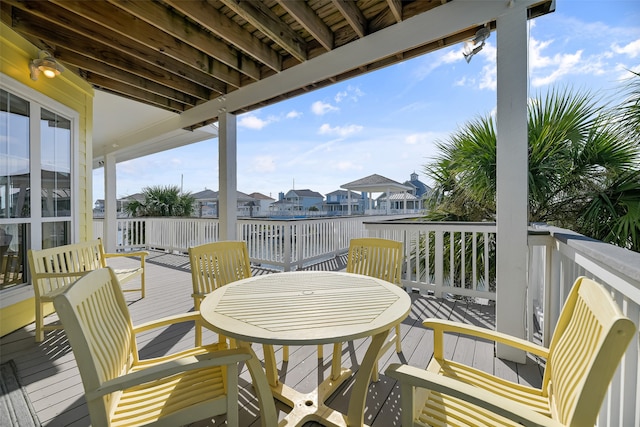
x: 583, y: 167
x: 162, y: 201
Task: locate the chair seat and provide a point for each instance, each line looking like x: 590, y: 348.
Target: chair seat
x: 528, y: 396
x: 169, y: 396
x: 442, y: 410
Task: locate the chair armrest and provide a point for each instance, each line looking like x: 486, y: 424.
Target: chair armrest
x: 61, y: 275
x: 416, y: 377
x: 141, y: 254
x: 172, y: 367
x: 440, y: 326
x: 193, y: 316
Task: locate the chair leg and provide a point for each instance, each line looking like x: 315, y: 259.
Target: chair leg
x: 39, y: 323
x: 198, y: 335
x: 232, y: 395
x: 142, y: 284
x: 285, y: 353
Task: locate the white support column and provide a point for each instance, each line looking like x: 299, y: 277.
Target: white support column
x: 110, y: 224
x: 512, y: 166
x: 349, y: 202
x: 227, y: 176
x: 388, y: 201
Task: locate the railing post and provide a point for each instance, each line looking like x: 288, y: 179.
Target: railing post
x: 287, y: 247
x: 439, y: 261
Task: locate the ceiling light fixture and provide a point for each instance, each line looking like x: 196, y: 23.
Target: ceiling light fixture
x: 475, y: 45
x: 45, y: 64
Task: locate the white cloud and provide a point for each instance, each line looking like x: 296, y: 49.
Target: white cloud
x: 321, y: 108
x: 251, y: 121
x: 416, y: 138
x: 263, y: 164
x: 293, y: 114
x: 342, y: 131
x: 352, y: 93
x: 631, y: 49
x: 346, y: 165
x: 562, y: 64
x: 448, y: 56
x: 489, y: 77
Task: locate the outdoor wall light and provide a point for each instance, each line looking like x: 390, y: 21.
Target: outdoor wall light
x: 45, y: 64
x: 475, y: 45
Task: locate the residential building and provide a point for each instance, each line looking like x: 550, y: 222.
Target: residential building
x: 261, y: 204
x: 206, y: 202
x: 421, y: 190
x: 337, y: 203
x: 303, y: 200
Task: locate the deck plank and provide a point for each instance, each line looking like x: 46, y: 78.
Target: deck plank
x: 50, y: 375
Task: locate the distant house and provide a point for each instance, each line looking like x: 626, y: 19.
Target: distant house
x: 123, y: 202
x: 206, y: 203
x: 421, y: 190
x: 337, y: 203
x: 303, y: 200
x: 261, y: 204
x: 398, y: 202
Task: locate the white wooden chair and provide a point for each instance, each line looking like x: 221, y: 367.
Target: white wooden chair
x: 590, y: 338
x: 382, y: 259
x: 216, y: 264
x: 122, y: 389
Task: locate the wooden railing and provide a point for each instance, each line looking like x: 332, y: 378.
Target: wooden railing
x: 557, y: 257
x: 445, y: 257
x: 284, y: 244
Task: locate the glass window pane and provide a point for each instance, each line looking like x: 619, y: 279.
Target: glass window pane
x: 13, y: 248
x: 56, y: 165
x: 15, y: 179
x: 56, y: 234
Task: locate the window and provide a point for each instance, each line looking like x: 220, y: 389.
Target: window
x: 36, y: 198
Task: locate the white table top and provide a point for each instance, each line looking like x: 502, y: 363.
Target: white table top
x: 305, y: 308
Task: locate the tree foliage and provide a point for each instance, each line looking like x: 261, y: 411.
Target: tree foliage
x: 162, y: 201
x: 584, y: 169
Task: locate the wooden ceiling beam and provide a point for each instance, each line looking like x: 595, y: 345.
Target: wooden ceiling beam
x: 353, y: 15
x: 211, y: 19
x: 96, y: 67
x: 302, y: 13
x: 35, y: 21
x: 261, y: 17
x: 396, y: 9
x: 162, y: 19
x: 113, y: 20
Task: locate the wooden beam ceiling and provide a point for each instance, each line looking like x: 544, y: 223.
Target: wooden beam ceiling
x: 177, y: 54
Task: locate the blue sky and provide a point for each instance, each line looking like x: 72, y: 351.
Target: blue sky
x: 387, y: 122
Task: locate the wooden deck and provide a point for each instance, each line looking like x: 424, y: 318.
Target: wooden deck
x: 48, y: 371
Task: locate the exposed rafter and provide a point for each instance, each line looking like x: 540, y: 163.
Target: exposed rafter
x: 179, y: 54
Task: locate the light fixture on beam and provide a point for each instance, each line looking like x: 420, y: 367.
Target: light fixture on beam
x: 45, y: 64
x: 475, y: 45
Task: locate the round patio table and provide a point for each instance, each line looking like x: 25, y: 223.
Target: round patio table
x: 310, y: 308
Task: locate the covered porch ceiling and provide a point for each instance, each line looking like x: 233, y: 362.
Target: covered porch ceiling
x: 166, y: 69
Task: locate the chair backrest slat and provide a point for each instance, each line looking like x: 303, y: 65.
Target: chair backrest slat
x: 590, y: 338
x: 215, y: 264
x: 381, y: 258
x: 99, y: 329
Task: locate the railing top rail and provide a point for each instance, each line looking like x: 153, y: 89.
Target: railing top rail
x: 622, y: 260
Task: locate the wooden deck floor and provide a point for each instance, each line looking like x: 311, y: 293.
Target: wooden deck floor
x: 50, y: 376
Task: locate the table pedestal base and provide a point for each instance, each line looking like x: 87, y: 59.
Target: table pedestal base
x: 310, y: 406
